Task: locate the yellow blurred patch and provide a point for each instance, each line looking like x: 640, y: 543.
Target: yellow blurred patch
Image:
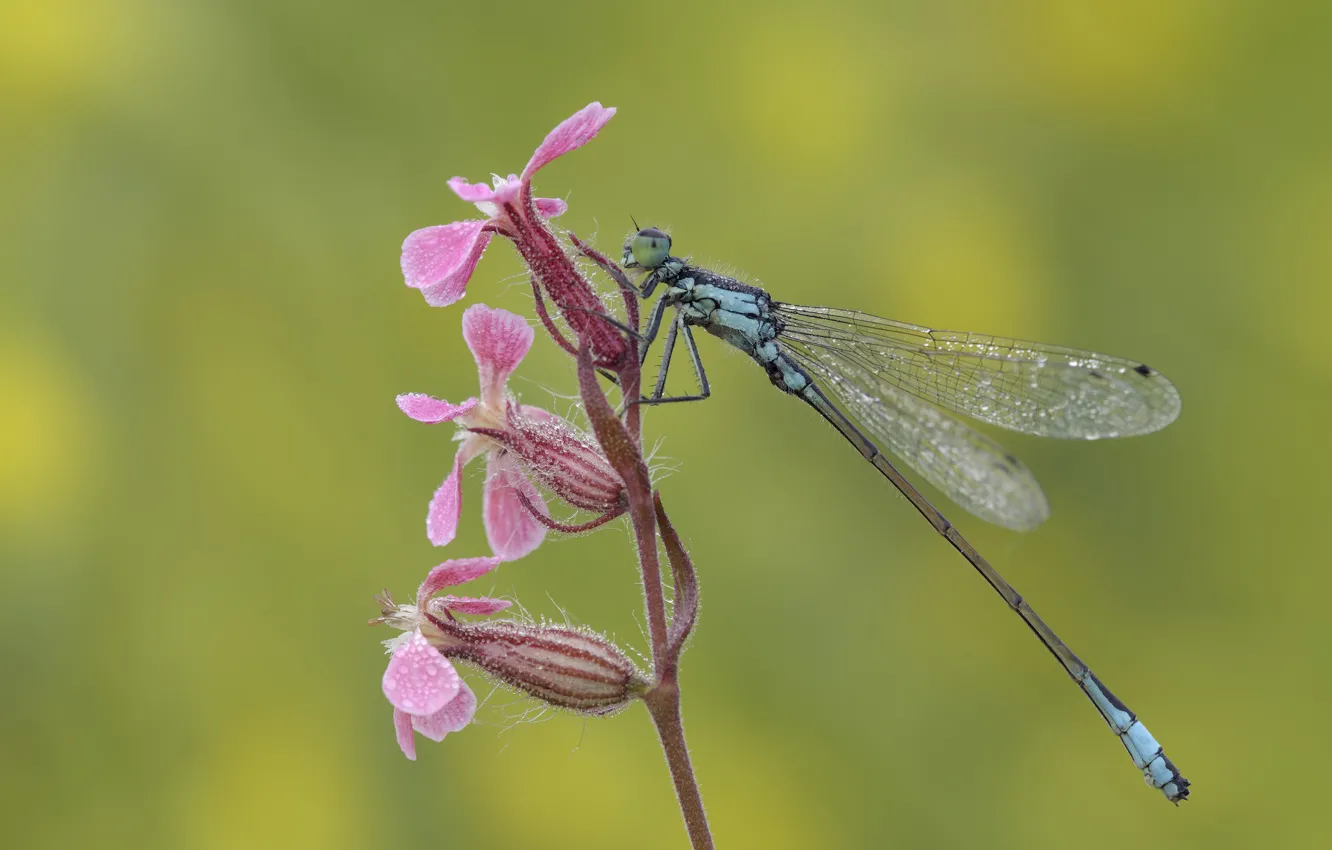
x: 758, y: 793
x: 1114, y: 61
x: 49, y: 48
x: 1293, y: 298
x: 967, y: 257
x: 808, y: 88
x: 46, y: 428
x: 593, y: 789
x: 246, y: 404
x: 277, y: 782
x: 611, y: 781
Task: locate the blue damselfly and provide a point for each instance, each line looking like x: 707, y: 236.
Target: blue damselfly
x: 891, y: 380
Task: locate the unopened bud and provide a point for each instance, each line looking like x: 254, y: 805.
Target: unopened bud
x: 568, y: 668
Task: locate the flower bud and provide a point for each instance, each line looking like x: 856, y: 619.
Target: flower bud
x: 569, y: 668
x: 564, y: 459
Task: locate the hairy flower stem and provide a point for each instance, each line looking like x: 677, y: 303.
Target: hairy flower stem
x: 645, y: 530
x: 685, y: 613
x: 624, y: 455
x: 663, y: 704
x: 663, y: 701
x: 622, y: 448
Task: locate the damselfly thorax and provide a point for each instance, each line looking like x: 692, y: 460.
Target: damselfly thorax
x: 739, y: 314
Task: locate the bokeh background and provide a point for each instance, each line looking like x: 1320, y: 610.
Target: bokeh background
x: 203, y: 476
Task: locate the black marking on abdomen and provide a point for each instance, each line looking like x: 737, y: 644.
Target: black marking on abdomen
x: 1114, y: 700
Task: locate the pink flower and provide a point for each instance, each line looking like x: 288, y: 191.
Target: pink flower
x: 524, y: 446
x: 571, y: 668
x: 499, y: 340
x: 440, y: 260
x: 425, y: 690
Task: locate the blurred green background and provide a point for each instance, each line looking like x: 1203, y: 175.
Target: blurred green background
x: 203, y: 476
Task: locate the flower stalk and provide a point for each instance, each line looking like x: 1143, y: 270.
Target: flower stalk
x: 622, y: 449
x: 605, y: 473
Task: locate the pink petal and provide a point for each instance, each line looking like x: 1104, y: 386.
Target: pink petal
x: 419, y: 680
x: 511, y: 529
x: 402, y: 728
x: 446, y: 505
x: 454, y: 572
x: 488, y: 200
x: 507, y: 191
x: 572, y: 133
x: 482, y: 606
x: 440, y: 260
x: 473, y: 193
x: 499, y: 340
x: 551, y: 207
x: 533, y: 413
x: 423, y: 408
x: 451, y: 718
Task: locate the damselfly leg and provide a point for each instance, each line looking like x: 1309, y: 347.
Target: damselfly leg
x: 677, y: 328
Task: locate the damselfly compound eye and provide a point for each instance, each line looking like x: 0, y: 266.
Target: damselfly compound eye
x: 650, y: 247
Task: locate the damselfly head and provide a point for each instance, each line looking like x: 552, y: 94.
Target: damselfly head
x: 646, y: 249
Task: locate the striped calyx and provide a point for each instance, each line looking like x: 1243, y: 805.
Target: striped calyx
x: 563, y: 458
x: 574, y: 669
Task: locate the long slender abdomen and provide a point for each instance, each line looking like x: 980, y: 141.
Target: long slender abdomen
x: 1148, y: 756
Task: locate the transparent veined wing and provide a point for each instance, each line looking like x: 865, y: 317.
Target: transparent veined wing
x: 967, y: 466
x: 1031, y: 387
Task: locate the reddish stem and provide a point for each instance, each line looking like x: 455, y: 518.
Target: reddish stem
x: 627, y: 289
x: 595, y: 522
x: 621, y: 446
x: 663, y: 704
x: 622, y: 451
x: 685, y: 612
x: 551, y: 328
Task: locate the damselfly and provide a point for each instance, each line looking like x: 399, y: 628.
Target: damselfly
x: 891, y: 379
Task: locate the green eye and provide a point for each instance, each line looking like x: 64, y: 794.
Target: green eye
x: 650, y: 247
